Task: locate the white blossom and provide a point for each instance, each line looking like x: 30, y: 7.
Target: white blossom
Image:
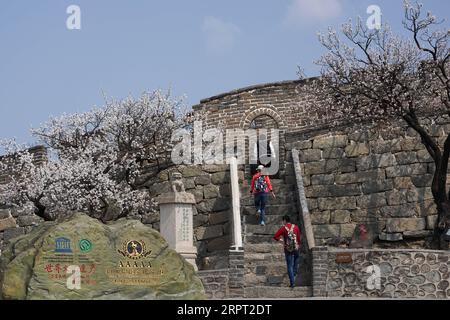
x: 95, y: 159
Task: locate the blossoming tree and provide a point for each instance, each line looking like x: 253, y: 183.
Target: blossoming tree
x: 377, y: 76
x: 95, y: 159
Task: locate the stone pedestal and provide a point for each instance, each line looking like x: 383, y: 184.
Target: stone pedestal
x: 176, y: 223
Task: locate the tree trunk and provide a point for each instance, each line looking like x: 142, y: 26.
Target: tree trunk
x: 438, y: 185
x: 40, y: 211
x: 442, y: 225
x: 439, y: 190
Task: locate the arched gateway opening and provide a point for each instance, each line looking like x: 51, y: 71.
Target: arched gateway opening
x: 263, y: 120
x: 265, y: 145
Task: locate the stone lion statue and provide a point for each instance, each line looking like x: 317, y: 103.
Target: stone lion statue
x: 177, y: 182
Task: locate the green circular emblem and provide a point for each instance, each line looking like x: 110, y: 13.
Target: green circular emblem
x: 85, y: 245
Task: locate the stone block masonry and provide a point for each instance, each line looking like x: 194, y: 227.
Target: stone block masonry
x: 228, y: 282
x: 386, y: 273
x: 210, y: 185
x: 236, y: 274
x: 14, y: 223
x: 352, y: 174
x: 320, y: 271
x: 281, y: 101
x: 367, y: 177
x: 215, y: 283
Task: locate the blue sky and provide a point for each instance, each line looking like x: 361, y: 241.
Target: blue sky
x: 199, y: 48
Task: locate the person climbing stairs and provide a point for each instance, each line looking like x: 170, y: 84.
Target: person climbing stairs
x: 265, y: 264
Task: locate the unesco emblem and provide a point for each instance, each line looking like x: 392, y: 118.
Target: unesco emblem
x: 85, y: 245
x: 134, y: 249
x: 62, y: 245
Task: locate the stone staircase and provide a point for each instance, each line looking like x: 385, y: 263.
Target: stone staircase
x: 265, y: 264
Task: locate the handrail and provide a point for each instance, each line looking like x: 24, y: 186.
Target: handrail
x: 303, y: 203
x: 237, y: 228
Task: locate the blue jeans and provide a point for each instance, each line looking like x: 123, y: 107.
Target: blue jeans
x: 260, y: 204
x: 292, y: 265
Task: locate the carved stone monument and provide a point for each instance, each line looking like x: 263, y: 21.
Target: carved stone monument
x: 79, y: 257
x: 176, y: 219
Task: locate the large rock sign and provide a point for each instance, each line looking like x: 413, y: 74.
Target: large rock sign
x: 82, y: 258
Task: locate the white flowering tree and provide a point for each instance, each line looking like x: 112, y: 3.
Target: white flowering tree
x: 377, y: 76
x: 95, y: 160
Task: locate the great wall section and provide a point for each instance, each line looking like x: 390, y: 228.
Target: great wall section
x: 379, y: 177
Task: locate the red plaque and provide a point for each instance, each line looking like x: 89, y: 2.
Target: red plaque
x: 344, y: 257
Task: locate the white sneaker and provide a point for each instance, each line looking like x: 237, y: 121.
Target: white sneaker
x: 263, y: 224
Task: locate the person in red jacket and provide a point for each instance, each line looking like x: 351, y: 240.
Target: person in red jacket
x: 260, y: 187
x: 291, y: 256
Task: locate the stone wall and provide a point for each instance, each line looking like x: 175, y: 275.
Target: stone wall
x: 319, y: 271
x: 215, y: 283
x: 236, y: 274
x: 210, y: 184
x: 14, y: 223
x: 227, y: 282
x: 403, y: 274
x: 352, y: 175
x: 380, y: 177
x: 377, y: 176
x: 285, y: 102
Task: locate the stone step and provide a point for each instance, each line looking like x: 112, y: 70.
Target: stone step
x: 257, y: 229
x: 281, y: 195
x: 273, y: 182
x: 266, y: 263
x: 276, y: 257
x: 277, y: 292
x: 272, y: 209
x: 275, y: 188
x: 269, y: 273
x: 270, y: 219
x: 258, y: 238
x: 267, y: 247
x: 272, y: 280
x: 283, y: 198
x: 276, y: 182
x: 267, y: 255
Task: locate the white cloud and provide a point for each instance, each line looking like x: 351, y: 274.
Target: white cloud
x: 301, y: 12
x: 219, y: 35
